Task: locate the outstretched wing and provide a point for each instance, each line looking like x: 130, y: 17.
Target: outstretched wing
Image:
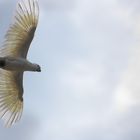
x: 11, y: 101
x: 21, y: 32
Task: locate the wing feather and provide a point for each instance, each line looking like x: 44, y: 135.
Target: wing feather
x: 20, y: 34
x: 11, y: 100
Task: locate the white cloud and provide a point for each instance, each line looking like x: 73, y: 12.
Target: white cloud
x: 91, y: 99
x: 127, y: 94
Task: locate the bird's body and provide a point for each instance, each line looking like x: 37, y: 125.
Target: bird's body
x: 13, y: 62
x: 17, y: 64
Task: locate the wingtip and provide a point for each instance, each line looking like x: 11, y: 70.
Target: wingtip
x: 12, y: 114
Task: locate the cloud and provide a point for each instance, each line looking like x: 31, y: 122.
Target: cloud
x: 24, y: 130
x: 89, y: 85
x: 58, y: 5
x: 89, y: 80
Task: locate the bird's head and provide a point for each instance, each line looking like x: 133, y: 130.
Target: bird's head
x: 38, y: 68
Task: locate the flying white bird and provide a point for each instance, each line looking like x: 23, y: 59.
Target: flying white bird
x: 13, y: 60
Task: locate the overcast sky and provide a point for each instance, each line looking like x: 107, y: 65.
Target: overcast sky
x: 89, y: 87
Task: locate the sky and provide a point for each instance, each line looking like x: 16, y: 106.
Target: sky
x: 89, y: 87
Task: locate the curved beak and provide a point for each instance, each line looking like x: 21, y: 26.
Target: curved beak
x: 39, y: 70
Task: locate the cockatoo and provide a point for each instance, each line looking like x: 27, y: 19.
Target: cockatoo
x: 13, y: 60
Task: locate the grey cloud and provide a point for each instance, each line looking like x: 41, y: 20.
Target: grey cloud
x: 129, y: 124
x: 58, y: 5
x: 7, y: 9
x: 133, y: 5
x: 24, y: 130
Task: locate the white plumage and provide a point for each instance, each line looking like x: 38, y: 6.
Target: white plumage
x: 13, y: 61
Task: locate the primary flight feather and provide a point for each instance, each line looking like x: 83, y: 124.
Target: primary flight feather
x: 13, y: 60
